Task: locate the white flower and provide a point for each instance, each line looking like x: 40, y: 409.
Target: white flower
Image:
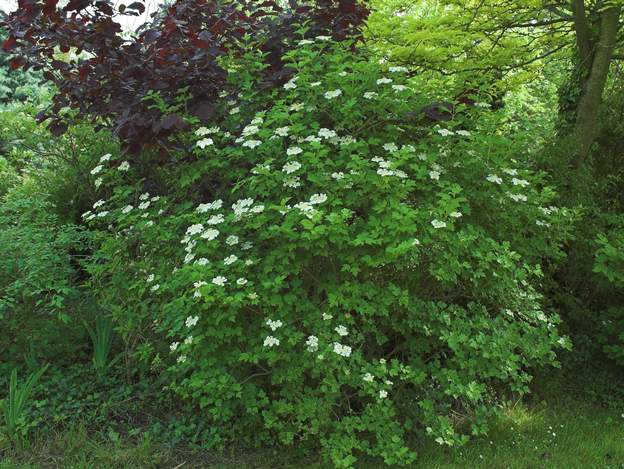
x: 102, y: 214
x: 323, y: 38
x: 274, y: 325
x: 318, y: 199
x: 242, y: 206
x: 463, y: 133
x: 231, y: 240
x: 341, y: 331
x: 305, y: 42
x: 124, y: 166
x: 257, y: 209
x: 435, y: 175
x: 312, y: 139
x: 326, y: 133
x: 234, y: 110
x: 155, y: 287
x: 296, y: 107
x: 98, y: 204
x: 338, y: 176
x: 511, y: 172
x: 384, y: 81
x: 191, y: 321
x: 203, y: 208
x: 343, y: 350
x: 368, y: 377
x: 390, y: 147
x: 246, y: 245
x: 105, y: 157
x: 445, y: 132
x: 494, y: 178
x: 241, y: 281
x: 291, y: 167
x: 520, y: 182
x: 194, y: 229
x: 370, y: 95
x: 97, y: 169
x: 304, y: 206
x: 383, y: 394
x: 144, y: 205
x: 181, y: 358
x: 518, y: 197
x: 398, y: 88
x: 150, y: 278
x: 144, y: 196
x: 202, y: 261
x: 189, y: 257
x: 219, y: 281
x: 250, y: 130
x: 230, y: 259
x: 271, y: 341
x: 333, y: 94
x: 294, y: 151
x: 456, y: 214
x: 397, y: 69
x: 315, y: 84
x: 293, y: 182
x: 203, y: 143
x: 188, y: 340
x: 385, y: 172
x: 127, y: 209
x: 291, y: 85
x: 438, y: 224
x: 326, y: 317
x: 215, y: 219
x: 173, y: 347
x: 312, y: 343
x: 252, y: 143
x: 253, y: 296
x: 210, y: 234
x: 98, y: 182
x: 282, y: 131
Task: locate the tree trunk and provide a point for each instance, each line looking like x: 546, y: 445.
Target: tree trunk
x: 591, y: 96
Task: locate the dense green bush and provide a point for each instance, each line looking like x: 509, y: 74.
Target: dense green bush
x: 610, y: 264
x: 37, y: 273
x: 326, y: 270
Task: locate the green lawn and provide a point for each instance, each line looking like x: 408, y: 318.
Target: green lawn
x: 551, y: 436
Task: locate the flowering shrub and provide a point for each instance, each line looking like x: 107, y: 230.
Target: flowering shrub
x: 316, y: 268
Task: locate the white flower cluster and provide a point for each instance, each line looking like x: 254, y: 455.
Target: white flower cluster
x: 271, y: 341
x: 312, y: 343
x: 342, y: 350
x: 203, y: 208
x: 274, y: 325
x: 384, y: 168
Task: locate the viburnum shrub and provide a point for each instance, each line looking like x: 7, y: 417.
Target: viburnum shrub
x: 317, y: 267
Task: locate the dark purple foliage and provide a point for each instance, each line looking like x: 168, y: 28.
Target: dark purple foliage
x: 178, y: 49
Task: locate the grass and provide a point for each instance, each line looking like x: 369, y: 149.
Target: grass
x: 555, y: 435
